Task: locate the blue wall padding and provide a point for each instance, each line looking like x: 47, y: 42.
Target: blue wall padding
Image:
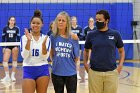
x: 121, y: 17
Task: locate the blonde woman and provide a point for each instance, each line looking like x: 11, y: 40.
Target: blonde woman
x: 64, y: 55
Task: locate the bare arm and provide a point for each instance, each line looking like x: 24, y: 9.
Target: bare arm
x: 29, y: 37
x: 26, y: 44
x: 76, y: 59
x: 85, y: 59
x: 51, y: 54
x: 121, y: 60
x: 74, y: 36
x: 44, y: 49
x: 27, y: 47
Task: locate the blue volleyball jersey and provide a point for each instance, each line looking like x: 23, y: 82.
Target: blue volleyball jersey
x: 11, y: 34
x: 49, y: 32
x: 65, y: 52
x: 103, y: 45
x: 87, y: 30
x: 78, y: 31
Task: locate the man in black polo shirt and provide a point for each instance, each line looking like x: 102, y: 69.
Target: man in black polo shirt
x: 103, y: 71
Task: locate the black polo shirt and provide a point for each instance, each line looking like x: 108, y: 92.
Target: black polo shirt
x: 103, y: 45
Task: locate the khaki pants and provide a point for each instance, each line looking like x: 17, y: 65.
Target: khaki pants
x: 103, y: 82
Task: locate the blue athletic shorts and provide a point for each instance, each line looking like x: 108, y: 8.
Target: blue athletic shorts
x: 34, y: 72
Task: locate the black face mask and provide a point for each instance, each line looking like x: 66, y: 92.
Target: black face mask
x: 100, y: 25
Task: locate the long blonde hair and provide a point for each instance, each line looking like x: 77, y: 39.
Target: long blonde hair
x: 68, y: 27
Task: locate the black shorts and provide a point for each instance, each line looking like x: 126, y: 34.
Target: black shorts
x: 80, y: 46
x: 10, y: 47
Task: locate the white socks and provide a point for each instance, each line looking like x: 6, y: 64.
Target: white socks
x: 7, y: 74
x: 13, y: 74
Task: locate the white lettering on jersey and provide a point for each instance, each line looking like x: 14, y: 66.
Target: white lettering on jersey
x: 110, y: 37
x: 11, y: 31
x: 75, y: 31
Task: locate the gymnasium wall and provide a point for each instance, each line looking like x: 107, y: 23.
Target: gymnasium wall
x: 121, y: 12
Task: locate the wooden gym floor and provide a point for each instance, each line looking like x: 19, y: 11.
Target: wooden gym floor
x: 129, y: 80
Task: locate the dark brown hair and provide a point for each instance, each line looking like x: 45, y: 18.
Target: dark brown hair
x: 37, y: 14
x: 105, y: 13
x: 9, y: 19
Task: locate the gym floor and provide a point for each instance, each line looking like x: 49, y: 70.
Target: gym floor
x: 129, y: 80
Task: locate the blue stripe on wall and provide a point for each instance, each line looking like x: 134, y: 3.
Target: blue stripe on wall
x: 121, y: 16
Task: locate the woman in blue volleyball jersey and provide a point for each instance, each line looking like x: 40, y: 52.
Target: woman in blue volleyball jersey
x: 64, y: 55
x: 11, y: 33
x: 50, y: 28
x: 35, y: 49
x: 76, y: 29
x: 90, y: 27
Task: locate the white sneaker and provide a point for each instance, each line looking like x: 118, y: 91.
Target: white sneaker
x: 13, y: 79
x: 6, y: 79
x: 78, y: 77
